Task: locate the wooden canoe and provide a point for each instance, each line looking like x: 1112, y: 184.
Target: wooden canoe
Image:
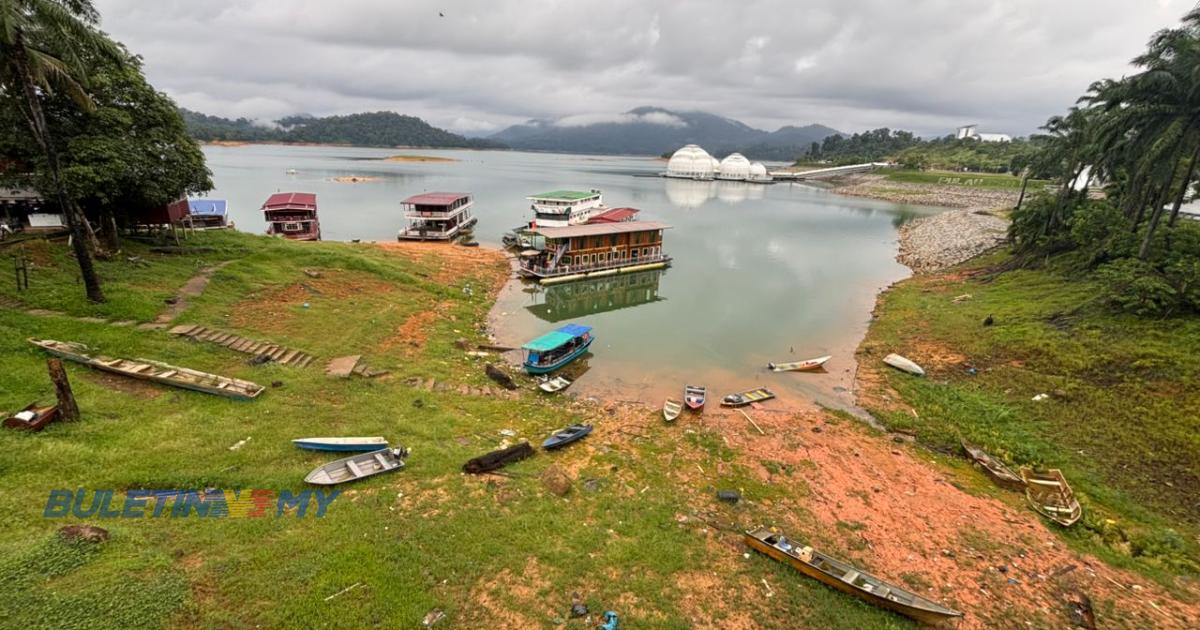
x: 671, y: 409
x: 358, y: 467
x: 740, y: 399
x: 799, y: 366
x: 694, y: 396
x: 1002, y: 475
x: 846, y: 578
x: 496, y: 460
x: 1050, y: 495
x: 154, y: 371
x: 554, y: 385
x: 348, y: 444
x: 566, y: 436
x: 903, y: 364
x: 32, y: 417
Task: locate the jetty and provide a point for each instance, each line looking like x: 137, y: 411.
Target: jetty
x: 833, y: 171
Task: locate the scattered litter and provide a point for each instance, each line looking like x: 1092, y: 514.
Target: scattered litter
x: 578, y: 608
x: 478, y: 354
x: 433, y: 617
x: 306, y: 305
x: 345, y: 590
x: 240, y: 444
x: 1079, y: 607
x: 88, y: 533
x: 729, y: 496
x: 508, y: 433
x: 610, y: 621
x: 1040, y: 397
x: 962, y: 298
x: 770, y: 593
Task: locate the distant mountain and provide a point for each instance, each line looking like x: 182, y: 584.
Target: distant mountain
x: 374, y: 129
x: 654, y: 131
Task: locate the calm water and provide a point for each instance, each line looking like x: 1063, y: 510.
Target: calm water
x: 761, y: 273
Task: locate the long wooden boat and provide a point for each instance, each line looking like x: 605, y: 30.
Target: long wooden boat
x: 846, y: 578
x: 903, y: 364
x: 347, y: 444
x: 554, y: 385
x: 694, y: 396
x: 358, y: 467
x: 1050, y: 495
x: 672, y: 409
x: 153, y: 371
x: 799, y: 366
x: 32, y: 417
x: 566, y: 436
x: 496, y: 460
x: 555, y: 349
x: 994, y: 468
x: 740, y: 399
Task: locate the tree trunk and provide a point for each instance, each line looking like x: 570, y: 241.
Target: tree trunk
x: 67, y: 409
x: 1156, y: 213
x: 111, y: 234
x: 1187, y: 181
x: 1024, y: 184
x: 41, y: 132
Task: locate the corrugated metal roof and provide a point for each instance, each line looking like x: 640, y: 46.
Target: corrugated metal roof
x: 564, y: 195
x: 548, y: 341
x: 598, y: 229
x: 615, y: 215
x: 291, y: 199
x: 435, y: 198
x: 207, y: 207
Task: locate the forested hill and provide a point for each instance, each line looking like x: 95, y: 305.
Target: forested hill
x: 373, y: 129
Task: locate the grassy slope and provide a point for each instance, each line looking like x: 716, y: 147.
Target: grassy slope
x: 1123, y: 426
x: 967, y: 180
x: 426, y: 537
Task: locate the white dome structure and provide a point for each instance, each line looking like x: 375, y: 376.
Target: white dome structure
x: 691, y: 162
x: 735, y: 166
x: 758, y: 173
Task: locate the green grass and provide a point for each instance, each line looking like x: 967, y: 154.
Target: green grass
x: 490, y: 551
x: 1121, y: 421
x: 966, y: 180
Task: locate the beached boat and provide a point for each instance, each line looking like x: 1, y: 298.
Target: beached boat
x: 554, y: 385
x: 799, y: 366
x: 32, y: 417
x: 437, y: 216
x: 358, y: 466
x: 994, y: 468
x: 1051, y: 496
x: 671, y: 409
x: 292, y: 215
x: 556, y: 349
x: 694, y: 396
x: 348, y: 444
x: 496, y: 460
x: 153, y: 371
x: 757, y: 394
x: 846, y: 578
x: 903, y: 364
x: 573, y: 433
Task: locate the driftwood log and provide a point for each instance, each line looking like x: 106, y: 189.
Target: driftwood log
x: 498, y: 375
x: 67, y: 409
x: 498, y: 459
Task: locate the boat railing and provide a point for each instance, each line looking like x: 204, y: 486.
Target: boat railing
x: 563, y: 269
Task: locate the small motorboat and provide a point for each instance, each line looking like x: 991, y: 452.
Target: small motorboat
x: 555, y: 349
x: 694, y: 396
x: 347, y: 444
x: 848, y: 579
x: 32, y: 417
x: 671, y: 409
x: 799, y: 366
x: 994, y: 468
x: 554, y: 385
x: 573, y: 433
x: 1051, y: 496
x: 903, y: 364
x: 740, y: 399
x: 358, y: 466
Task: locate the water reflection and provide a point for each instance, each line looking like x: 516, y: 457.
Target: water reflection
x: 574, y: 300
x: 690, y: 193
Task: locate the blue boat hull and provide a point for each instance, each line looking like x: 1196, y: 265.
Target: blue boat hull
x: 546, y: 369
x: 341, y: 448
x: 556, y: 442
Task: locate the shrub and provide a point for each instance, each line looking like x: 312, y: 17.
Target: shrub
x: 1134, y: 286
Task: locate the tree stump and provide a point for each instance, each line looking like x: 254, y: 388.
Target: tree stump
x: 67, y: 409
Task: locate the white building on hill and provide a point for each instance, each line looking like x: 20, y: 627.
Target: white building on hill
x: 971, y: 131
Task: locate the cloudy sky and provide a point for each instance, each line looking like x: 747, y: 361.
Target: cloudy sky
x: 926, y: 65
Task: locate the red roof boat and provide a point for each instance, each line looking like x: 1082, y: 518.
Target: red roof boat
x: 293, y: 215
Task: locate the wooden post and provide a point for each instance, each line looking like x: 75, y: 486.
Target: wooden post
x: 67, y: 409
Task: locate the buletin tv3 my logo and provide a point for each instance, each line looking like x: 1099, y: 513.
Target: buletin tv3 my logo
x: 212, y: 503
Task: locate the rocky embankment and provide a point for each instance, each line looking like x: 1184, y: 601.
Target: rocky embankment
x: 942, y: 240
x: 877, y: 186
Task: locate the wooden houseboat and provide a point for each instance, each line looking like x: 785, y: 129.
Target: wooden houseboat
x: 616, y: 215
x: 561, y: 254
x: 293, y: 215
x: 555, y: 349
x: 436, y: 216
x: 208, y: 213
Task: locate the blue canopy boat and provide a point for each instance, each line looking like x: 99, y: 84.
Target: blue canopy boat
x: 556, y: 349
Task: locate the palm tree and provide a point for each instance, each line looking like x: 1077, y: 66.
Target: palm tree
x: 42, y: 45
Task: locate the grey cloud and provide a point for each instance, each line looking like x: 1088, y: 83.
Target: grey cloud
x: 926, y: 65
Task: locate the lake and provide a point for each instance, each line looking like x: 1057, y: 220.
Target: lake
x: 761, y: 273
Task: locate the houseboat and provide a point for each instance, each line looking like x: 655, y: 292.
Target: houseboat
x: 561, y: 208
x: 208, y: 213
x: 555, y: 349
x: 293, y: 215
x: 436, y: 216
x: 616, y: 215
x: 561, y: 254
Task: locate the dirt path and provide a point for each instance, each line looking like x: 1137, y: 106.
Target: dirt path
x: 193, y: 288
